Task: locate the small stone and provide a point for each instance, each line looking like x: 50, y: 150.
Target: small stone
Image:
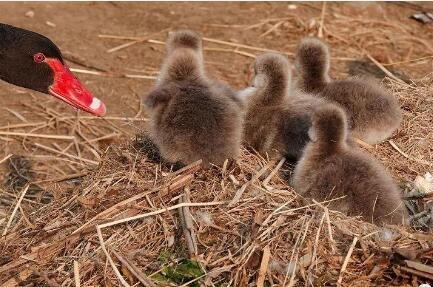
x: 30, y: 14
x: 292, y: 7
x: 51, y: 24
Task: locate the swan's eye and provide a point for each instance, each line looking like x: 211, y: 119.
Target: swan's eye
x: 39, y: 57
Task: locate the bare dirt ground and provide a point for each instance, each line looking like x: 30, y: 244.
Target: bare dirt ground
x: 235, y: 33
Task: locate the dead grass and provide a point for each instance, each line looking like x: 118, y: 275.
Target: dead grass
x: 132, y: 203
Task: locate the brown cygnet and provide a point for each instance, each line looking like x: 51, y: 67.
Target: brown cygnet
x: 277, y: 119
x: 192, y: 116
x: 329, y: 169
x: 373, y: 114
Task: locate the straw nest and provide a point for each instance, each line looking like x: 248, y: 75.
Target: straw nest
x: 132, y: 221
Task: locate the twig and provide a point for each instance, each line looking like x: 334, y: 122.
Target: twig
x: 110, y: 260
x: 23, y: 125
x: 241, y: 45
x: 142, y: 39
x: 272, y: 174
x: 328, y: 221
x: 188, y: 227
x: 107, y: 118
x: 416, y: 272
x: 331, y: 238
x: 17, y: 114
x: 241, y: 190
x: 159, y: 211
x: 8, y: 224
x: 146, y: 281
x: 385, y: 70
x: 97, y: 73
x: 182, y: 181
x: 391, y: 142
x: 322, y: 20
x: 77, y: 274
x: 249, y: 55
x: 6, y: 158
x: 408, y: 61
x: 363, y: 143
x: 58, y: 137
x: 272, y: 29
x: 346, y: 260
x: 419, y: 266
x: 66, y: 154
x: 264, y: 266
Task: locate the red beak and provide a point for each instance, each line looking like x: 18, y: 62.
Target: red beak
x: 69, y: 89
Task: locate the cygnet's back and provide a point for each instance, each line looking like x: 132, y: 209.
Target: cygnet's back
x: 193, y: 117
x: 330, y: 168
x: 277, y: 119
x: 373, y: 114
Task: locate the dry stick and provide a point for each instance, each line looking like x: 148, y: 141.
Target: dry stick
x: 159, y: 211
x: 76, y: 274
x: 26, y: 219
x: 241, y: 45
x: 292, y: 277
x: 204, y: 39
x: 272, y: 174
x: 97, y: 73
x: 409, y: 61
x: 419, y: 266
x: 66, y: 154
x: 346, y: 260
x: 310, y: 205
x: 109, y: 136
x: 322, y: 20
x: 328, y: 221
x: 316, y: 242
x: 37, y: 135
x: 174, y: 186
x: 146, y: 281
x: 241, y: 190
x: 417, y: 273
x: 125, y: 45
x: 142, y: 39
x: 110, y: 260
x: 119, y: 37
x: 24, y: 125
x: 188, y: 227
x: 264, y: 266
x: 331, y: 238
x: 363, y: 143
x: 249, y: 55
x: 91, y: 147
x: 391, y: 142
x: 17, y: 114
x: 385, y: 70
x: 6, y: 158
x: 272, y: 29
x: 23, y: 193
x: 47, y: 248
